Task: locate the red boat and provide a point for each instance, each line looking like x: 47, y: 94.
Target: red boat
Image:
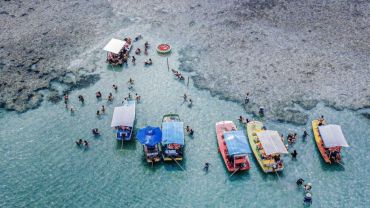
x: 233, y: 146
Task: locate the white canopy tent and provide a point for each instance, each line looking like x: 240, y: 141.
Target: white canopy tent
x: 332, y: 136
x: 124, y: 115
x: 114, y: 45
x: 271, y: 142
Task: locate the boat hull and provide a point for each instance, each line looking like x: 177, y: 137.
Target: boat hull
x: 252, y: 128
x: 167, y: 158
x: 319, y: 142
x: 220, y: 128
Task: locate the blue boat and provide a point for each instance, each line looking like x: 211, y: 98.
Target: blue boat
x: 123, y: 121
x: 173, y: 141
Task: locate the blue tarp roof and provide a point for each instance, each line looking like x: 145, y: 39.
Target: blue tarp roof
x: 173, y: 133
x: 236, y: 143
x: 149, y: 135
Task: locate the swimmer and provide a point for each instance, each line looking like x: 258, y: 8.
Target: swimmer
x: 299, y: 182
x: 138, y: 51
x: 261, y: 111
x: 66, y: 98
x: 110, y: 97
x: 79, y: 142
x: 115, y: 87
x: 305, y: 134
x: 103, y: 109
x: 81, y: 99
x: 294, y: 154
x: 133, y: 59
x: 95, y: 131
x: 98, y: 94
x: 206, y: 167
x: 138, y: 38
x: 187, y: 128
x: 149, y: 62
x: 241, y: 119
x: 307, y: 187
x: 185, y: 97
x: 72, y: 110
x: 191, y: 132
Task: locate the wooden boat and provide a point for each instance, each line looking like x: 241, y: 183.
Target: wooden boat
x: 150, y: 137
x: 152, y: 153
x: 233, y: 146
x: 268, y: 157
x: 123, y: 121
x: 173, y: 141
x: 329, y: 140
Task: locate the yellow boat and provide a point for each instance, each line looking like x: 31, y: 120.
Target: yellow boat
x: 267, y: 161
x: 319, y: 142
x: 329, y: 139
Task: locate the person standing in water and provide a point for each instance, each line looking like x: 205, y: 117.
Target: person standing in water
x: 206, y: 167
x: 299, y: 182
x: 115, y: 87
x: 246, y: 100
x: 294, y: 154
x: 305, y: 134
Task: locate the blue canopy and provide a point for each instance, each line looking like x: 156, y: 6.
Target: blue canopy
x: 236, y: 143
x: 173, y: 133
x: 149, y: 135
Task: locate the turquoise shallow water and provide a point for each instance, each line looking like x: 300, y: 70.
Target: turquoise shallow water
x: 41, y: 166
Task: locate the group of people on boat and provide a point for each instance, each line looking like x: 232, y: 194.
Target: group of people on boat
x: 122, y: 56
x: 275, y: 161
x: 333, y: 153
x: 173, y: 150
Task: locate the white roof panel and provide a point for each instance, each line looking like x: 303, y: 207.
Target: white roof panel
x: 332, y: 136
x: 124, y: 115
x: 114, y: 45
x: 271, y: 142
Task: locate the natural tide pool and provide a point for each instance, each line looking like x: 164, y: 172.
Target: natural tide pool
x: 41, y: 166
